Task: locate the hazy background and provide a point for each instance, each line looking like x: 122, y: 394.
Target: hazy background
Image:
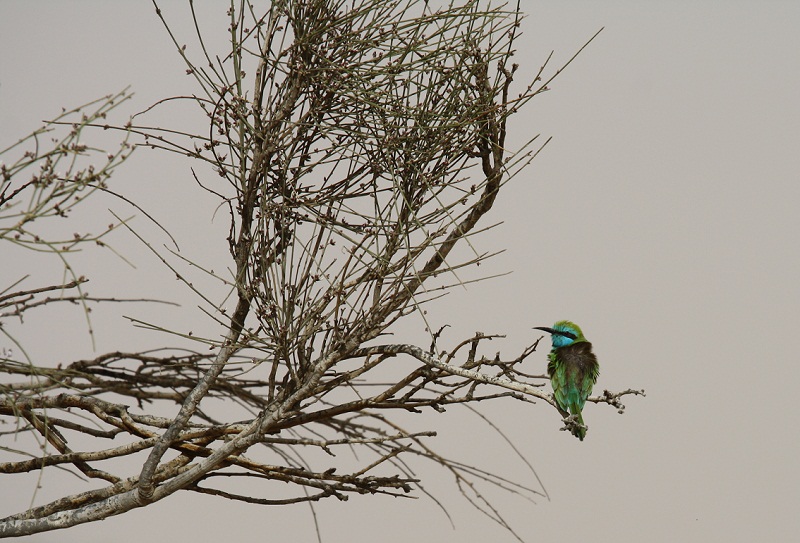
x: 662, y: 218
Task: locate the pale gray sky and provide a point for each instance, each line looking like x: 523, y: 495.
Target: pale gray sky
x: 663, y: 218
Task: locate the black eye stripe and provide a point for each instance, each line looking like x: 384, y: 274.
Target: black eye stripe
x: 565, y: 334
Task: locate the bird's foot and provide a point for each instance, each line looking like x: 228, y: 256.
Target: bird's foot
x: 572, y: 425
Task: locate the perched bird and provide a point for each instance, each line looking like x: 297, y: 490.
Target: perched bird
x: 573, y: 370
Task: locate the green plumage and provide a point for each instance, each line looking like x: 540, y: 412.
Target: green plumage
x: 573, y: 370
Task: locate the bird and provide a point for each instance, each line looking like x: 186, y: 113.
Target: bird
x: 573, y: 370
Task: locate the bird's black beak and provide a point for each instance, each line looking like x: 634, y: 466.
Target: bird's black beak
x: 552, y: 331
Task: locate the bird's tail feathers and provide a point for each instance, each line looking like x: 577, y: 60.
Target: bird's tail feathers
x: 578, y: 431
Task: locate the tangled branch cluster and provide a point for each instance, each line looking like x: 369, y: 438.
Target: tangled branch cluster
x: 370, y: 143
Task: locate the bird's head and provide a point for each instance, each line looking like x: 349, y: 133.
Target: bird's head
x: 563, y: 333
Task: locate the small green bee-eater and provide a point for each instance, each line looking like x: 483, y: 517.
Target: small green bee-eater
x: 573, y: 370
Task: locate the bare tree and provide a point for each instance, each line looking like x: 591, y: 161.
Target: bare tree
x: 368, y: 145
